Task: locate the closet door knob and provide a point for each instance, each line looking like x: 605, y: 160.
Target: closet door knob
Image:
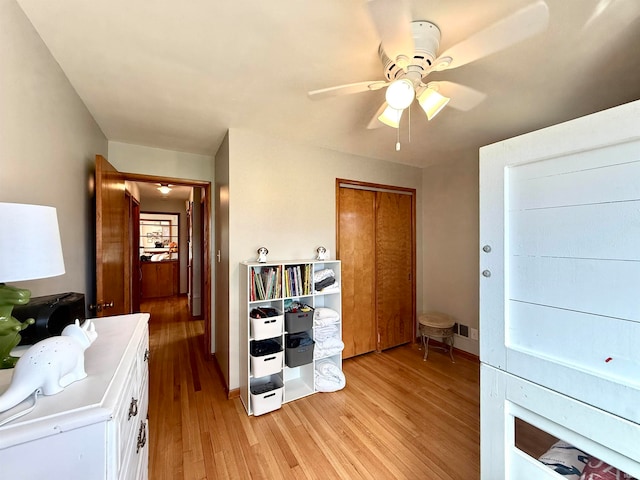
x: 486, y: 248
x: 486, y: 273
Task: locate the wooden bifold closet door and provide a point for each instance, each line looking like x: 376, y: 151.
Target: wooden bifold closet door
x: 376, y: 247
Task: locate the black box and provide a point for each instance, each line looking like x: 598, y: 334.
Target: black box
x: 295, y: 322
x: 299, y: 350
x: 260, y: 348
x: 52, y: 313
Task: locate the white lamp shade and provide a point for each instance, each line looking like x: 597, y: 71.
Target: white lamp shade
x: 30, y: 246
x: 391, y: 117
x: 400, y: 94
x: 432, y: 102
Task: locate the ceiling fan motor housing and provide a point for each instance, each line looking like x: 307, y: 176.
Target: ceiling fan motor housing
x: 426, y: 38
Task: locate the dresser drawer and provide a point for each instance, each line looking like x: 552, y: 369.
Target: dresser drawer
x: 135, y: 453
x: 132, y: 408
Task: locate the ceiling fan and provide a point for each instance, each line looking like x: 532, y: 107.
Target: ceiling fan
x: 409, y: 53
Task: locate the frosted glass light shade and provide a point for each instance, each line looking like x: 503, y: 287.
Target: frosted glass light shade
x: 400, y: 94
x: 164, y: 189
x: 30, y: 243
x: 391, y: 117
x: 432, y: 102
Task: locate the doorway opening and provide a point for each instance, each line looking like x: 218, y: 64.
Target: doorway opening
x: 167, y: 256
x: 159, y: 254
x: 118, y: 206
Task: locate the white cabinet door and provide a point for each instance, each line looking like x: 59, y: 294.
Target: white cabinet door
x: 559, y: 269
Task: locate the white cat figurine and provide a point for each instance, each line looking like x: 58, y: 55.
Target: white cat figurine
x: 50, y: 365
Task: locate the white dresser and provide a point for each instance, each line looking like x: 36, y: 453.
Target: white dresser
x: 97, y: 427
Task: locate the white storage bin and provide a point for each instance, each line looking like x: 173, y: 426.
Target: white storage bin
x: 268, y: 327
x: 266, y: 364
x: 268, y: 396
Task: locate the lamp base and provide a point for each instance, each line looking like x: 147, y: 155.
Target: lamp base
x: 10, y: 327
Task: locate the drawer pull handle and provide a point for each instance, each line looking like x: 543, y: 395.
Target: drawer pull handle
x: 270, y: 395
x: 146, y: 355
x: 133, y: 408
x: 142, y: 436
x: 269, y: 359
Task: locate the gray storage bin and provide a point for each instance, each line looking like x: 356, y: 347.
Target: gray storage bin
x: 295, y: 322
x: 299, y: 350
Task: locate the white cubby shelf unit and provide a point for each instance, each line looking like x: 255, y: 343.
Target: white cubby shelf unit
x: 276, y: 285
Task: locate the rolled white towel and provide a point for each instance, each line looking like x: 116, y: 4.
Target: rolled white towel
x: 328, y: 348
x: 322, y: 333
x: 323, y: 316
x: 323, y: 322
x: 329, y: 377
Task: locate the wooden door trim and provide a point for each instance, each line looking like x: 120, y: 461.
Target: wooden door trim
x: 139, y: 177
x: 379, y: 187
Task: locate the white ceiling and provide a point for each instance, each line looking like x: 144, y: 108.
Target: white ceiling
x: 177, y: 75
x: 150, y: 190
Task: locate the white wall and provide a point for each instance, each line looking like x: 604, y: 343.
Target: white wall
x: 450, y: 247
x: 48, y: 143
x: 163, y: 163
x: 282, y: 195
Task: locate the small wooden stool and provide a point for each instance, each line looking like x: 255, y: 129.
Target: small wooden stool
x: 436, y: 324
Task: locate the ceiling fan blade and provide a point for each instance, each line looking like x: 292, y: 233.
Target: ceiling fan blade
x: 462, y: 97
x: 524, y: 23
x: 374, y: 122
x: 347, y: 89
x: 392, y: 19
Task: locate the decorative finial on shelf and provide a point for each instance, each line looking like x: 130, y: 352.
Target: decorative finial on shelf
x: 321, y: 253
x: 262, y: 254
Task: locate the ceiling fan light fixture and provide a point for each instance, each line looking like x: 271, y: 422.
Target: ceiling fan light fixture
x: 391, y: 117
x: 164, y: 189
x: 400, y: 94
x: 432, y: 102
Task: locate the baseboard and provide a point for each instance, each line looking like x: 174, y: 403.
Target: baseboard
x: 456, y: 351
x: 468, y: 355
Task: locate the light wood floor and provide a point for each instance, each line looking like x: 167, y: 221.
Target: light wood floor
x: 398, y: 417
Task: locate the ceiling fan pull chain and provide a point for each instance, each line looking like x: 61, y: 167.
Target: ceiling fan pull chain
x: 398, y: 138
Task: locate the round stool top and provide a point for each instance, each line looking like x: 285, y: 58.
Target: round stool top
x: 436, y: 319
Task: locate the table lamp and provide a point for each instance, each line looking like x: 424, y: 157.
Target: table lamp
x: 30, y: 249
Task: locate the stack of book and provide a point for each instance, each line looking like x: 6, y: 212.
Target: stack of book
x: 265, y: 283
x: 297, y: 280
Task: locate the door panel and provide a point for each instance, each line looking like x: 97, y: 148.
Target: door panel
x: 394, y: 285
x: 111, y: 208
x: 356, y: 245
